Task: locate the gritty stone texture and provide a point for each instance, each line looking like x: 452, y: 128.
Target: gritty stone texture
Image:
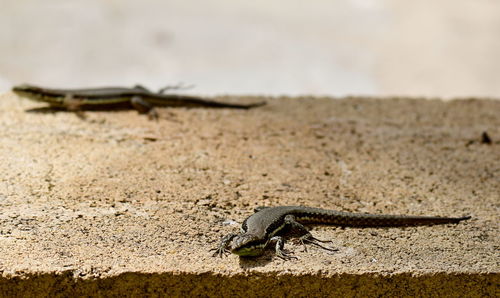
x: 117, y: 204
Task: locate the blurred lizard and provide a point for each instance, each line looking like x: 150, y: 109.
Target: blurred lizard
x: 110, y: 98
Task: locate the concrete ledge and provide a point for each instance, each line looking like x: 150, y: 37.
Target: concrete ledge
x: 115, y: 204
x: 255, y: 285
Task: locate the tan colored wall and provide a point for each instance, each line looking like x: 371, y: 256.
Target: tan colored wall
x: 116, y: 203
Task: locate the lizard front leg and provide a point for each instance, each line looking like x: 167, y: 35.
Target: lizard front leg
x: 305, y: 235
x: 224, y: 243
x: 144, y: 107
x: 279, y: 249
x: 74, y: 105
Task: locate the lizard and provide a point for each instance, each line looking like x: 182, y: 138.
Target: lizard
x: 106, y: 98
x: 271, y: 224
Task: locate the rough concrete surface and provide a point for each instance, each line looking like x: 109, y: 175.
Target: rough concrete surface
x: 116, y: 204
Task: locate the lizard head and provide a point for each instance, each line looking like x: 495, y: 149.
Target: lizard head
x: 247, y: 245
x: 37, y: 93
x: 26, y: 90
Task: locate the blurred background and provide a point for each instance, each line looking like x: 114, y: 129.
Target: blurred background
x: 447, y: 48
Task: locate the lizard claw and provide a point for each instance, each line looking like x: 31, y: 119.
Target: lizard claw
x: 222, y: 250
x: 314, y: 241
x: 284, y: 256
x: 219, y: 252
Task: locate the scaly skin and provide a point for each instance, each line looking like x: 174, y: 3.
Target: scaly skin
x: 106, y: 98
x: 268, y: 224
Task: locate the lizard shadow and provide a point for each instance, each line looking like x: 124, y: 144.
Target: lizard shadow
x: 112, y: 108
x: 260, y: 261
x: 54, y: 110
x: 45, y: 110
x: 252, y: 262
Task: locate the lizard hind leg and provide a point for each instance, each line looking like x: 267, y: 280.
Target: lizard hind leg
x: 179, y: 86
x: 141, y: 88
x: 305, y: 236
x: 310, y: 239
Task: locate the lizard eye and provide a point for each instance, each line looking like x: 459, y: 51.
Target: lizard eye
x: 243, y: 240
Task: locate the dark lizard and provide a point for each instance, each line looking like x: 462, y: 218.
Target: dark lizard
x: 107, y: 98
x: 270, y: 224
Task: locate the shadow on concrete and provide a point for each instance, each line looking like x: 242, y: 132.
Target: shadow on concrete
x: 250, y: 285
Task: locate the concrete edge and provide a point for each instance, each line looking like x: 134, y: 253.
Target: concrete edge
x: 253, y: 285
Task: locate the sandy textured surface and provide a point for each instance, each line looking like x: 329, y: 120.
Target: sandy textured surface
x: 117, y: 204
